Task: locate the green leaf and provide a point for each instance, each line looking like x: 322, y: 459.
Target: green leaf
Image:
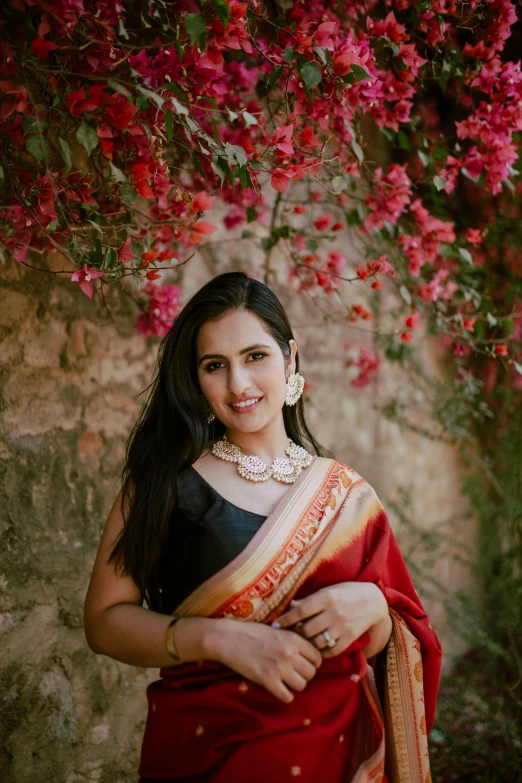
x: 117, y: 173
x: 222, y: 163
x: 110, y: 258
x: 339, y: 183
x: 121, y: 29
x: 236, y: 155
x: 197, y: 163
x: 267, y: 243
x: 439, y: 182
x: 312, y: 245
x: 249, y: 119
x: 274, y: 76
x: 142, y: 103
x: 466, y: 255
x: 151, y: 95
x: 353, y: 218
x: 174, y: 88
x: 311, y: 74
x: 195, y: 26
x: 242, y: 174
x: 251, y: 214
x: 232, y: 115
x: 358, y: 151
x: 217, y: 170
x: 405, y: 294
x: 169, y: 124
x: 128, y: 193
x: 223, y: 11
x: 65, y: 152
x: 360, y: 72
x: 178, y: 107
x: 87, y: 136
x: 117, y: 87
x: 37, y: 145
x: 289, y: 55
x: 324, y: 54
x: 2, y: 174
x: 53, y: 225
x: 404, y: 140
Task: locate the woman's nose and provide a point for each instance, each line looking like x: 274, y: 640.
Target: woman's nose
x: 238, y: 379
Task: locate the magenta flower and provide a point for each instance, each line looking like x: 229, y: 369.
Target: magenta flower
x: 84, y: 278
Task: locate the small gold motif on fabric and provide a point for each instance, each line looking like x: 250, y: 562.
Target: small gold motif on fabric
x: 417, y: 671
x: 296, y: 771
x: 423, y: 725
x: 153, y: 708
x: 331, y: 501
x: 345, y: 479
x: 354, y: 677
x: 307, y: 722
x: 243, y: 687
x: 199, y: 731
x: 341, y: 737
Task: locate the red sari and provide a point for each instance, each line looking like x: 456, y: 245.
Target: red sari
x: 207, y: 723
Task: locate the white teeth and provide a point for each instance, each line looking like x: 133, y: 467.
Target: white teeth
x: 245, y: 404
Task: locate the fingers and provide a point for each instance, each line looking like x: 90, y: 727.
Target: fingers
x: 309, y: 651
x: 302, y: 610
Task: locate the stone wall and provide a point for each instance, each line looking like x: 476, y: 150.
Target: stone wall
x: 71, y: 370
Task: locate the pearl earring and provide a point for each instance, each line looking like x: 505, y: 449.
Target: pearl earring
x: 294, y: 388
x: 210, y: 415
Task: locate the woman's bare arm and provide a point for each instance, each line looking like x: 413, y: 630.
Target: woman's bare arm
x: 117, y: 625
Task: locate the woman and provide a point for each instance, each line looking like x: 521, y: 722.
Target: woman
x: 298, y: 647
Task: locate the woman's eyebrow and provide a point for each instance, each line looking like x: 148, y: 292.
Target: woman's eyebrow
x: 241, y: 352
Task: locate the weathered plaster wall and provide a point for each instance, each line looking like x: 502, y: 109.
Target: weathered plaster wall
x: 68, y: 375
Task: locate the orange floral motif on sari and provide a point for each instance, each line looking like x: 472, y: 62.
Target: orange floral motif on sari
x: 353, y: 723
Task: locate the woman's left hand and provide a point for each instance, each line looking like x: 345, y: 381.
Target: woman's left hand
x: 345, y: 610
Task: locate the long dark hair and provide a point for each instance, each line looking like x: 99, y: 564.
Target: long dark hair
x: 172, y: 431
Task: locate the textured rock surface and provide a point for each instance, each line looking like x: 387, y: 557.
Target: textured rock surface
x: 69, y: 376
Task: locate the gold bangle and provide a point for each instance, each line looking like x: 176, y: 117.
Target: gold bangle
x: 169, y: 641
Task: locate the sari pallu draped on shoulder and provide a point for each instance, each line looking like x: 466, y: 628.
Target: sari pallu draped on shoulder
x: 207, y: 723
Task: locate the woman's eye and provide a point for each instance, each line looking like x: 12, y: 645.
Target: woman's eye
x: 215, y: 365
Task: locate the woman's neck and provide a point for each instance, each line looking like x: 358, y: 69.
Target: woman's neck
x: 267, y: 443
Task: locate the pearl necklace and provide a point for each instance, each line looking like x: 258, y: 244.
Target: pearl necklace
x: 254, y: 469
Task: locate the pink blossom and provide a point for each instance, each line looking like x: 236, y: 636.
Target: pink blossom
x: 84, y: 278
x: 161, y: 306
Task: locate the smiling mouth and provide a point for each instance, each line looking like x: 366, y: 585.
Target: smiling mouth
x: 247, y: 405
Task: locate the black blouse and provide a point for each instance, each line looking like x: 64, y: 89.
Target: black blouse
x: 206, y: 533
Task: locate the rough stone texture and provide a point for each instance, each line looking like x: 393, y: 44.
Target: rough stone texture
x: 69, y: 377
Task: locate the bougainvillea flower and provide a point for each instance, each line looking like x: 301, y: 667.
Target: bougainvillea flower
x: 84, y: 278
x: 201, y: 202
x: 41, y: 48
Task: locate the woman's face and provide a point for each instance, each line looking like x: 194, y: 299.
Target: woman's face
x: 239, y: 361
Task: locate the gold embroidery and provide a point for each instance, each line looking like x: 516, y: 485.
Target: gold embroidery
x: 331, y: 501
x: 428, y: 778
x: 345, y: 479
x: 307, y: 722
x: 243, y: 687
x: 242, y: 609
x: 199, y: 731
x: 296, y: 771
x: 417, y: 671
x: 423, y: 724
x: 341, y: 737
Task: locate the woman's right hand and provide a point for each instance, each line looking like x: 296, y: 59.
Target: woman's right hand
x: 277, y: 659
